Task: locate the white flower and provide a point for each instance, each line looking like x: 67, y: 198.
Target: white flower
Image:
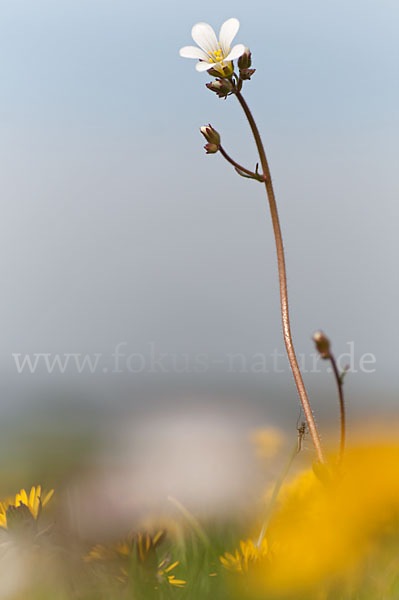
x: 214, y: 54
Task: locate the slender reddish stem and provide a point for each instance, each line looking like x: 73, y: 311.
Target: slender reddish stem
x: 285, y: 317
x: 338, y: 379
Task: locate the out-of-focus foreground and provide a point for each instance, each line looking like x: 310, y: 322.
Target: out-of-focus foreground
x: 298, y: 531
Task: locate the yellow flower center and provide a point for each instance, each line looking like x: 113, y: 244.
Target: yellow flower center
x: 216, y: 56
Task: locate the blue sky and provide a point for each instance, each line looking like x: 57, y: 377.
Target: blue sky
x: 115, y: 225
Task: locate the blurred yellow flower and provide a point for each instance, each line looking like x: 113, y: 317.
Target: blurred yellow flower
x: 146, y: 543
x: 246, y: 556
x: 141, y: 546
x: 103, y: 553
x: 325, y: 527
x: 164, y: 570
x: 34, y: 502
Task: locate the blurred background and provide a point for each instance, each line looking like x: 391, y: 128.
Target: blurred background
x: 152, y: 266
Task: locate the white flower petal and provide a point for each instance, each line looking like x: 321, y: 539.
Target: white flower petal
x: 237, y: 51
x: 204, y: 66
x: 228, y: 31
x: 205, y: 37
x: 192, y: 52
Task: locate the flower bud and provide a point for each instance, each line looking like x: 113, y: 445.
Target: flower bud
x: 222, y: 87
x: 210, y: 134
x: 246, y: 73
x: 211, y: 148
x: 244, y: 62
x: 322, y: 344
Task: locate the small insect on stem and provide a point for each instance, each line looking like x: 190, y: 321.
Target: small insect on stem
x: 301, y: 429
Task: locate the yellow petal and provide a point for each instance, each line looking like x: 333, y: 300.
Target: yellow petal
x: 172, y: 566
x: 176, y: 582
x: 157, y: 536
x: 24, y: 497
x: 32, y: 496
x: 47, y: 497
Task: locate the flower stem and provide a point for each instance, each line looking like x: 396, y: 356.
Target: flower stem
x: 338, y: 379
x: 283, y: 283
x: 237, y: 166
x: 192, y: 521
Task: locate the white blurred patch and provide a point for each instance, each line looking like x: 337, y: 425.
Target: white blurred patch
x: 205, y: 461
x: 13, y: 570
